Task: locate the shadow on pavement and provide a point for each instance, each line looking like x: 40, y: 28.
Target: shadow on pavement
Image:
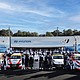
x: 53, y: 75
x: 12, y: 73
x: 57, y: 73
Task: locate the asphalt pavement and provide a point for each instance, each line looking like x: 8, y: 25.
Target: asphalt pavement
x: 40, y: 75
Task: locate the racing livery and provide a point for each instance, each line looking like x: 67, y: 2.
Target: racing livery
x: 75, y: 61
x: 14, y: 61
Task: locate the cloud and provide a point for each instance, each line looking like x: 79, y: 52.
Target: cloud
x: 54, y: 13
x: 39, y: 9
x: 5, y: 6
x: 35, y: 17
x: 44, y: 10
x: 31, y: 21
x: 10, y: 24
x: 75, y: 18
x: 16, y: 27
x: 38, y: 12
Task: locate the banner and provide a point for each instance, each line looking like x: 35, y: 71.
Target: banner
x: 41, y: 41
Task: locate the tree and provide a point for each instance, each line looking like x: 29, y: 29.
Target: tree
x: 68, y: 32
x: 64, y: 32
x: 42, y: 35
x: 55, y: 32
x: 5, y: 32
x: 19, y: 33
x: 78, y: 33
x: 28, y: 33
x: 34, y: 34
x: 60, y: 34
x: 49, y: 34
x: 24, y: 33
x: 75, y: 32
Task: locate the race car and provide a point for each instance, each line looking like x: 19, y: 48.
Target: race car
x: 74, y: 61
x: 58, y: 60
x: 14, y: 61
x: 1, y: 59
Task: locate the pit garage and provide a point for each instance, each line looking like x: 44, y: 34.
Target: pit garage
x: 43, y: 43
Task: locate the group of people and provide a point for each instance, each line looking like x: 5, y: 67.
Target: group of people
x: 37, y: 61
x: 30, y: 59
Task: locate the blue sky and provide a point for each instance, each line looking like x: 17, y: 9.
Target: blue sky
x: 39, y: 15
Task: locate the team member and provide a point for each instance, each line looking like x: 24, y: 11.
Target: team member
x: 5, y: 59
x: 23, y: 61
x: 27, y: 61
x: 41, y: 61
x: 31, y: 61
x: 36, y: 61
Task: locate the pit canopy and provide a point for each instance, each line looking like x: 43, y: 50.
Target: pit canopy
x: 41, y: 42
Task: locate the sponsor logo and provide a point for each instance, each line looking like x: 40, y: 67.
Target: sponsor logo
x: 22, y: 41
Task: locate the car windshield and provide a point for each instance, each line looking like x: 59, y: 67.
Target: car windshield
x: 15, y: 57
x: 57, y: 57
x: 77, y: 57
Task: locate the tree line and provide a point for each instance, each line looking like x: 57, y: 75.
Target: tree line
x: 67, y: 32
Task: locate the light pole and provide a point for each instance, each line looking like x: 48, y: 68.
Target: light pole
x: 75, y: 44
x: 9, y: 38
x: 57, y: 31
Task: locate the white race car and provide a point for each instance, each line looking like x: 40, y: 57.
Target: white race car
x: 14, y: 61
x: 58, y: 60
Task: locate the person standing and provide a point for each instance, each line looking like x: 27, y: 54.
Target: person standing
x: 36, y: 61
x: 23, y: 61
x: 31, y: 61
x: 27, y: 61
x: 46, y: 62
x: 8, y: 52
x: 5, y: 59
x: 50, y: 61
x: 41, y: 61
